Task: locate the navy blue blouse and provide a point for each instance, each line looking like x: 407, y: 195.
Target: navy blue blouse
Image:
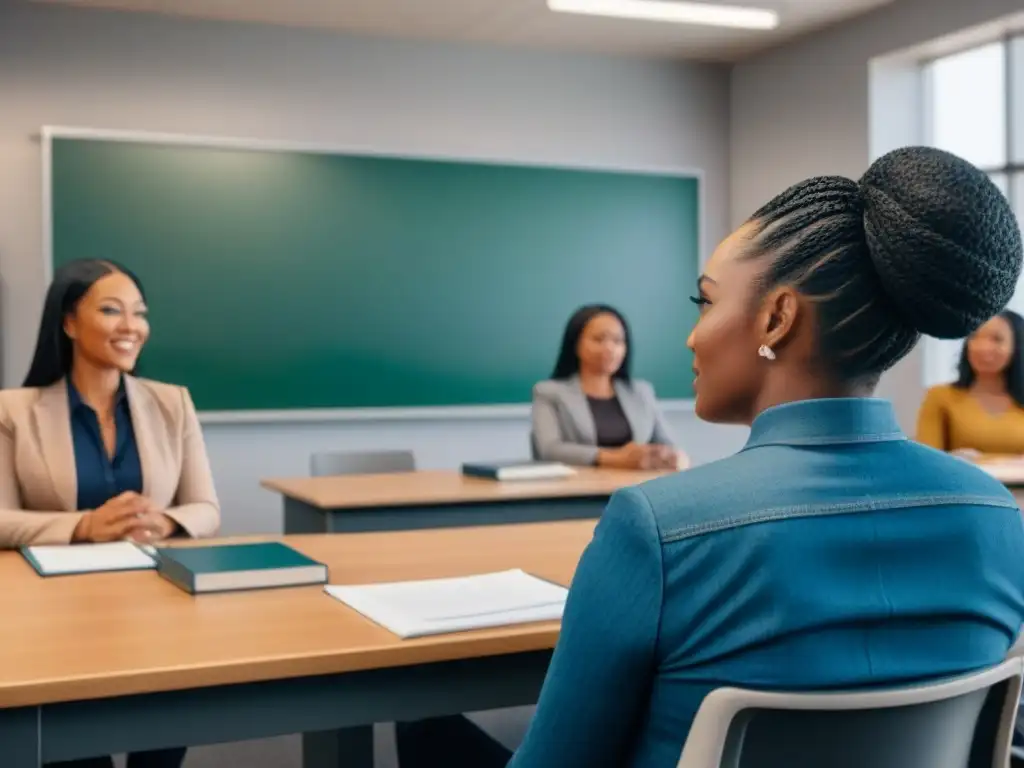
x: 101, y: 477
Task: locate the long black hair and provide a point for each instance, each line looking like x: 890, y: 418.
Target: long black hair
x: 568, y: 363
x: 923, y: 243
x: 52, y: 359
x: 1014, y: 373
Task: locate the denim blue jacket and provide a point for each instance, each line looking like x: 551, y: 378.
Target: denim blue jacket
x: 831, y: 552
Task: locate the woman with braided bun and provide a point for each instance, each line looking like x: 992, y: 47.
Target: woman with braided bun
x: 832, y: 552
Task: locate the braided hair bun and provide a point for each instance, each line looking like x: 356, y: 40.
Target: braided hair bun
x: 942, y: 238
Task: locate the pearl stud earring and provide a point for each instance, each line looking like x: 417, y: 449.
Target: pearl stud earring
x: 766, y: 352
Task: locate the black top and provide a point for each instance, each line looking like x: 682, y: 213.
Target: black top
x: 613, y: 430
x: 101, y: 477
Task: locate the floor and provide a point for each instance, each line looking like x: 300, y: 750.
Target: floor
x: 506, y: 725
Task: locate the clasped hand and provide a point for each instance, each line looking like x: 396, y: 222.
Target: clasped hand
x: 128, y: 516
x: 645, y: 456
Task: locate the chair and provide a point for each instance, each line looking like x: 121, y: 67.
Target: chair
x: 359, y: 462
x: 963, y: 722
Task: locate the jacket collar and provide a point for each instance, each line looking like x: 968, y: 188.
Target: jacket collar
x: 75, y: 400
x: 832, y: 421
x: 52, y: 414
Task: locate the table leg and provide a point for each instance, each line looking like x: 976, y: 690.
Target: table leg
x: 300, y: 517
x: 20, y: 738
x: 342, y: 748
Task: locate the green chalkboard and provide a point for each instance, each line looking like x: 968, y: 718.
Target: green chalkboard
x: 283, y: 280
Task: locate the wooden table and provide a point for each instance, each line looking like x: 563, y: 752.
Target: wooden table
x: 1009, y: 470
x: 107, y: 663
x: 441, y: 499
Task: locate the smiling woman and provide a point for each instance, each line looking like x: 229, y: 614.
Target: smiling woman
x: 89, y: 452
x: 982, y: 412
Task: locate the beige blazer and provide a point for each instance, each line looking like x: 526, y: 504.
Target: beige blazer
x: 38, y: 483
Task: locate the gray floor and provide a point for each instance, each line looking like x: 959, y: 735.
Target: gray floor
x: 506, y: 725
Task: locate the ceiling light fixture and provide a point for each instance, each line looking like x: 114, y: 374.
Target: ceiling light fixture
x: 674, y: 12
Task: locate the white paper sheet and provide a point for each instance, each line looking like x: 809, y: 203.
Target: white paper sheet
x: 89, y: 558
x: 437, y: 606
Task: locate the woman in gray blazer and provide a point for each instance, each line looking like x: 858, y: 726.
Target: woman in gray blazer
x: 590, y: 411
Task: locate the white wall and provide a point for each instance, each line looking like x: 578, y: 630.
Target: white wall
x: 803, y: 110
x: 105, y: 70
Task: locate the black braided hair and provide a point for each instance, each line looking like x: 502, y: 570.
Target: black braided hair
x: 925, y: 243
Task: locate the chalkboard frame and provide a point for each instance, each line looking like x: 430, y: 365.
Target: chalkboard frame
x: 512, y: 411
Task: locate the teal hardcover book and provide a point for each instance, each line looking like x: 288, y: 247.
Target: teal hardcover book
x: 231, y: 567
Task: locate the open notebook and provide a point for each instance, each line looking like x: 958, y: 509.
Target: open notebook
x: 437, y: 606
x: 64, y: 560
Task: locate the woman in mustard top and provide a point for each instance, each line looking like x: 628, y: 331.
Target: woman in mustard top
x: 982, y: 412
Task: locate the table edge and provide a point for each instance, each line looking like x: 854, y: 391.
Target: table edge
x: 442, y: 648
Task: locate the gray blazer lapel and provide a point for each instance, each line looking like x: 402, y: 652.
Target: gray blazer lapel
x: 578, y: 406
x: 636, y: 414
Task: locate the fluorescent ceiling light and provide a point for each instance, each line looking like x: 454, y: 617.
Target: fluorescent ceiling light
x: 675, y: 12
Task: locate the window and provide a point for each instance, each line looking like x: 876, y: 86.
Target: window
x: 1015, y: 52
x: 1018, y: 195
x: 968, y: 105
x: 1002, y: 181
x: 975, y: 109
x: 1017, y: 198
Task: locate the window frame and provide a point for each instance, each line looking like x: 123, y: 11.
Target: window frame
x: 941, y: 354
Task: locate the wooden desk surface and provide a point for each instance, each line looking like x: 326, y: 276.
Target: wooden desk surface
x: 446, y: 487
x: 1009, y: 470
x: 101, y: 635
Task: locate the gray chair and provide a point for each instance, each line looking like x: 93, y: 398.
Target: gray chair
x: 360, y: 462
x: 963, y: 722
x: 1017, y: 751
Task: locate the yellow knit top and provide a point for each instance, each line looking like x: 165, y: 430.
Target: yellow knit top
x: 951, y: 419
